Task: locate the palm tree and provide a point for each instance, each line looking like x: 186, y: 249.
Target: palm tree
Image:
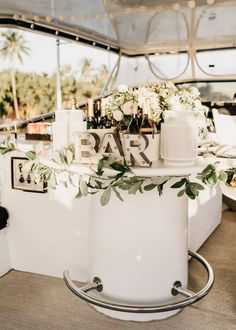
x: 12, y: 48
x: 86, y: 68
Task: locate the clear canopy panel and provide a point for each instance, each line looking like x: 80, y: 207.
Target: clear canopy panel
x: 132, y: 26
x: 167, y: 37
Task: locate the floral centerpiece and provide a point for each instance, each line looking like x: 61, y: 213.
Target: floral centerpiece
x: 162, y: 97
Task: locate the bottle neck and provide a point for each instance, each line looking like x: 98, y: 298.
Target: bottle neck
x: 90, y: 108
x: 146, y: 110
x: 135, y: 109
x: 73, y: 104
x: 103, y: 112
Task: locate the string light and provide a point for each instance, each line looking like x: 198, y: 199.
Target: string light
x: 210, y: 2
x: 56, y: 33
x: 36, y: 18
x: 176, y: 6
x: 61, y: 18
x: 142, y: 9
x: 16, y: 16
x: 94, y: 43
x: 191, y: 4
x: 77, y: 38
x: 128, y: 10
x: 48, y: 18
x: 32, y: 25
x: 73, y: 19
x: 159, y: 9
x: 85, y: 17
x: 108, y: 47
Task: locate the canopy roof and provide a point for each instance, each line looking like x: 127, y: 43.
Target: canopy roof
x: 130, y: 27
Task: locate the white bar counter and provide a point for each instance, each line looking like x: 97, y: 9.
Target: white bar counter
x: 130, y: 244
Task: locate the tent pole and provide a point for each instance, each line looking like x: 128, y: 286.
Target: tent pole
x: 58, y: 78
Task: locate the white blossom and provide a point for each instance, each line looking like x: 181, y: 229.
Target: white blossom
x: 194, y: 91
x: 118, y: 115
x: 145, y: 94
x: 122, y: 88
x: 127, y: 108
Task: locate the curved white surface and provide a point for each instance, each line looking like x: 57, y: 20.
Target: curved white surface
x: 48, y: 233
x: 228, y: 191
x: 5, y: 263
x: 139, y: 249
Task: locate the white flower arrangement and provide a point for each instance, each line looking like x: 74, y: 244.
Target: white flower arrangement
x: 161, y: 97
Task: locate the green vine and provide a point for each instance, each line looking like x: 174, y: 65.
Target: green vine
x: 122, y: 178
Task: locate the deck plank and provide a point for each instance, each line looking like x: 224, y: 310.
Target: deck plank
x: 37, y: 302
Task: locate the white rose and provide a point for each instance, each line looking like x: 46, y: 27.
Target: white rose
x: 105, y: 101
x: 118, y: 115
x: 175, y: 103
x: 170, y: 85
x: 127, y: 108
x: 194, y: 91
x: 122, y: 88
x: 197, y: 104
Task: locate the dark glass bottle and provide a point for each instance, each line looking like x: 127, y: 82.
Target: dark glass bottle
x: 147, y: 126
x: 73, y: 105
x: 91, y: 122
x: 133, y: 124
x: 104, y: 121
x: 97, y: 111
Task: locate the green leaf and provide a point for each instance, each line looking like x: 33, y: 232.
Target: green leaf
x: 117, y: 193
x: 135, y: 187
x: 180, y: 183
x: 78, y: 195
x: 149, y: 187
x: 159, y: 180
x: 118, y: 167
x: 190, y: 193
x: 212, y: 180
x: 140, y: 190
x: 195, y: 186
x: 223, y: 176
x: 191, y: 187
x: 181, y: 193
x: 105, y: 197
x: 100, y: 167
x: 31, y: 155
x: 83, y: 187
x: 118, y: 176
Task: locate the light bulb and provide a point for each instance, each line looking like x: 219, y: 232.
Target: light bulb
x: 176, y: 6
x: 191, y: 4
x: 48, y: 18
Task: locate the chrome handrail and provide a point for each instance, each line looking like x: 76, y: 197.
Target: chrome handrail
x: 130, y: 308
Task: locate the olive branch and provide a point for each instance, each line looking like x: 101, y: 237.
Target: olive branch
x: 121, y: 179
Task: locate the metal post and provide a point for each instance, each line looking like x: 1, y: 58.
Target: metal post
x: 58, y: 82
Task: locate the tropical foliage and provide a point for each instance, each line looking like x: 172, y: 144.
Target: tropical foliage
x: 13, y: 47
x: 24, y: 95
x: 36, y: 92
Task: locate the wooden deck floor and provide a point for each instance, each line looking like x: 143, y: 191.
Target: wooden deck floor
x: 30, y: 302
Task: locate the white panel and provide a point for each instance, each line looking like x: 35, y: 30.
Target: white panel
x: 5, y: 263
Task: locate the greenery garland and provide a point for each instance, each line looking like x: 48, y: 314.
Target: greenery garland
x: 122, y: 179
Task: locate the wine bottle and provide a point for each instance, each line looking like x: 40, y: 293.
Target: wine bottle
x: 97, y: 111
x: 91, y: 122
x: 133, y: 124
x: 73, y: 104
x: 147, y: 126
x: 104, y: 121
